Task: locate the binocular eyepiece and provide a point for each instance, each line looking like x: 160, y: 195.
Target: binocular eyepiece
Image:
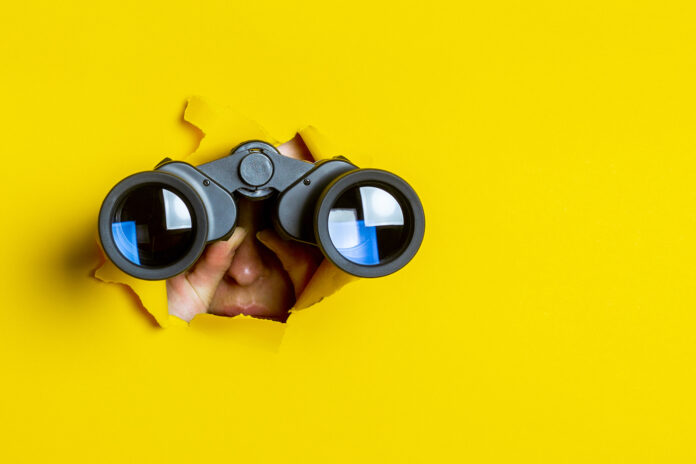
x: 154, y: 225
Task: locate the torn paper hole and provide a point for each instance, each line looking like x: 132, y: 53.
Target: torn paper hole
x: 300, y: 276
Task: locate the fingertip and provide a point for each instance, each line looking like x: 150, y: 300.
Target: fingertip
x: 273, y: 242
x: 237, y: 238
x: 263, y: 235
x: 269, y: 238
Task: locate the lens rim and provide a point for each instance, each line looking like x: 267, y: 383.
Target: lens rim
x: 394, y: 185
x: 180, y: 187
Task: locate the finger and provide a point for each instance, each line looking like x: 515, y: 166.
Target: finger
x: 213, y: 264
x: 182, y: 300
x: 299, y: 261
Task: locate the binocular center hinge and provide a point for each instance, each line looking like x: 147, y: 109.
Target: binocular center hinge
x: 256, y: 169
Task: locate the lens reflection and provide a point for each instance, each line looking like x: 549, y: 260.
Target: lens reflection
x: 153, y: 226
x: 367, y: 226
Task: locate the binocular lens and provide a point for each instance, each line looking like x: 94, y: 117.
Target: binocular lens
x: 369, y: 222
x: 152, y: 226
x: 367, y: 225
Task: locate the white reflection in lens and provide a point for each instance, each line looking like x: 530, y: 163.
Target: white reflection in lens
x: 380, y: 208
x: 344, y: 228
x: 176, y: 214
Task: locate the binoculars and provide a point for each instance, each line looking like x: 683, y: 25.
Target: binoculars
x: 154, y: 225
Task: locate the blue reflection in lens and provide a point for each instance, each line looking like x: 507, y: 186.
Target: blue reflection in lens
x: 126, y: 240
x: 367, y: 225
x: 355, y: 241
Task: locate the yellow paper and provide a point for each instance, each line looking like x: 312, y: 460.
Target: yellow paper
x: 548, y: 317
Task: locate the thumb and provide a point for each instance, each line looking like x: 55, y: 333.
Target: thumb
x: 213, y: 264
x: 299, y: 260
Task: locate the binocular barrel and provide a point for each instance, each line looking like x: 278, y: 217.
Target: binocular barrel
x: 154, y: 225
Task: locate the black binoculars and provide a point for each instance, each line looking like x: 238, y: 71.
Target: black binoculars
x: 154, y: 225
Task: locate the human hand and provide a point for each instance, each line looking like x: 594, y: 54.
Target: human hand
x: 191, y: 292
x: 300, y: 261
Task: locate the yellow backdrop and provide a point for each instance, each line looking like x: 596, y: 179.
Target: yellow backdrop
x: 549, y: 316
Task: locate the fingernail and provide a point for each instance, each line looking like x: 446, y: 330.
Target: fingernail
x: 237, y: 238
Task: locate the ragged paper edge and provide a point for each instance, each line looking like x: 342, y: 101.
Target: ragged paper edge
x: 222, y: 129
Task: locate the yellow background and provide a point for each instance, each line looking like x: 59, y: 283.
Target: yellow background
x: 549, y: 316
